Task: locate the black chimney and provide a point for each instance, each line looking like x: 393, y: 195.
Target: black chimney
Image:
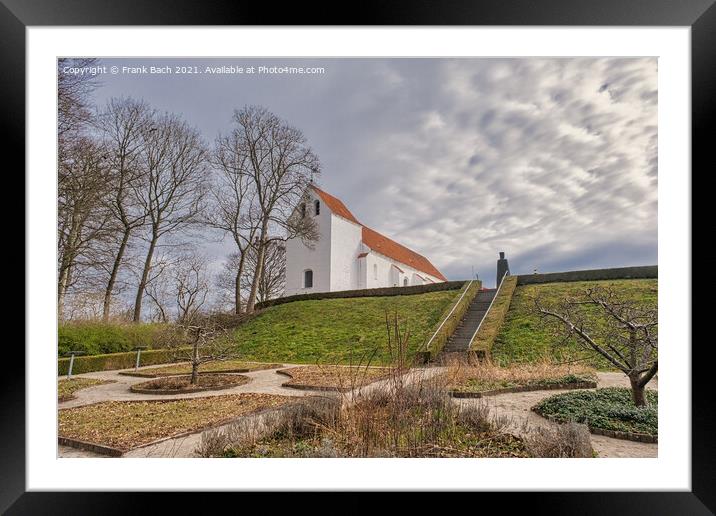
x: 502, y: 268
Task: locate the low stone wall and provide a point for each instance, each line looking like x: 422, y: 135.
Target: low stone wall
x: 641, y: 272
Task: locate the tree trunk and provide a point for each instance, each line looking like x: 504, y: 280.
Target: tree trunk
x: 637, y: 392
x: 195, y: 365
x: 237, y: 284
x: 259, y: 270
x: 114, y: 274
x: 143, y: 282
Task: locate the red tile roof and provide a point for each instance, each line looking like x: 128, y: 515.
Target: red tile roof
x: 381, y: 243
x: 336, y: 205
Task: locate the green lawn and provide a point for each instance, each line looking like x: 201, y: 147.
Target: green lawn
x: 523, y: 338
x: 331, y: 331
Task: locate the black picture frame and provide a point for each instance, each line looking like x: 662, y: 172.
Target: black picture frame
x: 700, y: 15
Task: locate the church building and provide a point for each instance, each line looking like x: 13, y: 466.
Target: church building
x: 349, y: 255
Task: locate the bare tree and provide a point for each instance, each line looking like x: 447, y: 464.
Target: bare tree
x: 281, y: 166
x: 273, y: 276
x: 191, y: 287
x: 209, y: 342
x: 173, y: 156
x: 625, y: 334
x: 232, y: 209
x: 83, y: 219
x: 73, y: 97
x: 122, y: 125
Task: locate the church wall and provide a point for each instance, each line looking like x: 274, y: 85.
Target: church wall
x: 299, y: 257
x: 346, y: 245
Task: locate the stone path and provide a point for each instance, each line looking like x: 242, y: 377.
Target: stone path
x: 516, y: 407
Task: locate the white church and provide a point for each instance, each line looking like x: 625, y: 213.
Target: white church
x: 349, y: 255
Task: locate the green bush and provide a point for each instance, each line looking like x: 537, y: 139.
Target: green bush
x: 88, y: 364
x: 95, y: 338
x: 608, y: 409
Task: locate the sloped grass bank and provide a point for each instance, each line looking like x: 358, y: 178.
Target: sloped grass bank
x: 339, y: 331
x: 609, y: 409
x: 523, y: 338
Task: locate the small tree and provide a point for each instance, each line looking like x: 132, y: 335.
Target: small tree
x: 625, y: 334
x: 208, y: 341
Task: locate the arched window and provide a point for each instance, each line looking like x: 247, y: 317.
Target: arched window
x: 317, y: 206
x: 405, y: 282
x: 303, y: 210
x: 375, y: 271
x: 308, y: 278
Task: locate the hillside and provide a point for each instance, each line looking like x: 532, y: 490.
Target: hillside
x: 331, y: 331
x: 523, y: 339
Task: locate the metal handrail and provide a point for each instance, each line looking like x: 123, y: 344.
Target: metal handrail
x: 497, y: 292
x: 427, y: 346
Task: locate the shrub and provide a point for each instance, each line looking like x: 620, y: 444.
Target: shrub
x: 94, y: 338
x: 491, y: 324
x: 607, y: 409
x: 570, y: 440
x: 87, y: 364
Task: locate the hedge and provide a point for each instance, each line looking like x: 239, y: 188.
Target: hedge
x: 452, y: 321
x: 641, y: 272
x: 96, y: 337
x: 87, y: 364
x: 495, y: 316
x: 366, y: 292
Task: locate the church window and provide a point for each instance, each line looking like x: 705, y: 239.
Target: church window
x: 317, y: 205
x: 375, y: 271
x: 308, y: 279
x: 405, y: 282
x: 303, y: 210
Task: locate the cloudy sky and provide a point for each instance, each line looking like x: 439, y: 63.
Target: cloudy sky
x: 553, y: 161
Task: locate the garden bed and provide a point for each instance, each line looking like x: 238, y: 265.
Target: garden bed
x: 124, y: 425
x: 218, y: 367
x: 608, y: 412
x: 332, y: 378
x: 182, y: 385
x: 66, y: 389
x: 487, y: 379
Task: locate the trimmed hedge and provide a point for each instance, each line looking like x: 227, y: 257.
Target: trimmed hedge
x: 641, y: 272
x: 88, y: 364
x: 96, y: 337
x: 491, y: 324
x: 452, y: 322
x: 366, y: 292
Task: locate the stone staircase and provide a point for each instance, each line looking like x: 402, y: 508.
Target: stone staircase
x: 460, y: 339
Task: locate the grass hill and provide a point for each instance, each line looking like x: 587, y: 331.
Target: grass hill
x: 332, y: 331
x: 522, y: 337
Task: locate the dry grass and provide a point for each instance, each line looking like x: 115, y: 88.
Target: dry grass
x: 336, y: 377
x: 398, y: 418
x: 128, y: 424
x: 224, y: 366
x: 485, y: 376
x: 66, y: 389
x: 179, y: 384
x: 569, y: 440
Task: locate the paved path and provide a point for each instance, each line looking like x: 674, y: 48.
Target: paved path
x: 263, y: 381
x: 516, y: 407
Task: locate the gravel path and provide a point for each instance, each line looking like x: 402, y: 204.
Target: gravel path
x: 516, y: 407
